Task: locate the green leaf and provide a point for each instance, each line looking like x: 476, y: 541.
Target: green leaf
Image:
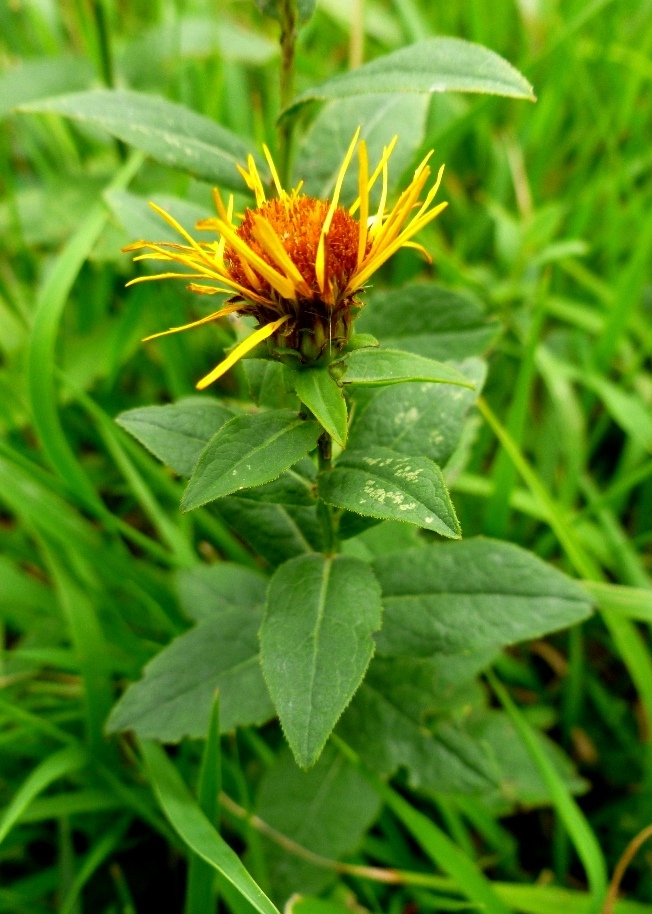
x: 316, y: 644
x: 276, y: 532
x: 451, y: 326
x: 274, y: 8
x: 381, y: 483
x: 520, y: 779
x: 40, y: 78
x: 387, y: 724
x: 433, y: 65
x: 374, y: 367
x: 197, y: 832
x: 325, y: 143
x: 207, y: 590
x: 270, y: 384
x: 170, y: 133
x: 249, y: 451
x: 326, y: 810
x: 324, y: 398
x: 477, y: 594
x: 139, y: 220
x: 178, y: 432
x: 175, y: 696
x: 418, y: 419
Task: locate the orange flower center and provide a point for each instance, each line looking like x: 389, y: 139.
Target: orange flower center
x: 298, y: 222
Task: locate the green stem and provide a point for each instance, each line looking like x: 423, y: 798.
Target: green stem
x: 288, y: 19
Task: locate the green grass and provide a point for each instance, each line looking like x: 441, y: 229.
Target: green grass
x: 549, y: 225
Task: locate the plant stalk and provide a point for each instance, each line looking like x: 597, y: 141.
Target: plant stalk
x: 288, y: 18
x: 324, y: 511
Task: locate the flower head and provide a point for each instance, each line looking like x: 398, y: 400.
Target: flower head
x: 294, y: 262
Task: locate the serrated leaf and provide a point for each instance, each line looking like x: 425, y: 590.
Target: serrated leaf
x: 324, y: 398
x: 375, y: 367
x: 381, y: 483
x: 170, y: 133
x: 473, y: 595
x: 433, y: 65
x: 451, y: 326
x: 316, y: 644
x: 249, y: 451
x: 326, y: 810
x: 178, y: 432
x: 419, y: 419
x: 386, y: 724
x: 175, y: 696
x: 207, y: 590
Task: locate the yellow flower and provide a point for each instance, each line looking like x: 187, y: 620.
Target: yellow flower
x: 297, y: 263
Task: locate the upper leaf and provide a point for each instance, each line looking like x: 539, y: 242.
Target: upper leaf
x: 451, y: 326
x: 175, y: 696
x: 381, y: 483
x: 170, y: 133
x: 316, y: 644
x: 249, y: 451
x: 375, y: 367
x: 434, y: 65
x: 176, y: 433
x: 477, y: 594
x: 324, y: 398
x: 418, y: 419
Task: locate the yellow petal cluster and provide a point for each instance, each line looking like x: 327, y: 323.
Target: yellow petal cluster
x: 295, y: 259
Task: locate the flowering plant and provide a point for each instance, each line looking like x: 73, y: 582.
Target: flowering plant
x: 339, y: 597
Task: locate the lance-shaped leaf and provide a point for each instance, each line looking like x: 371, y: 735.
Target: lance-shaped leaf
x: 316, y: 644
x: 470, y: 596
x: 434, y: 65
x: 249, y: 451
x: 170, y: 133
x: 175, y: 696
x: 375, y: 367
x: 381, y: 483
x: 176, y: 433
x: 324, y: 398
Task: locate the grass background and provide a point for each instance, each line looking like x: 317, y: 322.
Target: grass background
x: 549, y: 224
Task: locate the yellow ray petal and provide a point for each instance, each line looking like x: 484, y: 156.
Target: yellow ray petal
x: 320, y: 260
x: 252, y: 180
x: 179, y: 228
x: 242, y: 349
x: 229, y: 309
x: 154, y: 276
x: 277, y: 182
x: 378, y: 221
x: 276, y: 280
x: 363, y: 191
x: 387, y: 151
x: 272, y: 245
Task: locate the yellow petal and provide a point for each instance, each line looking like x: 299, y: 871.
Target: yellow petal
x: 387, y: 151
x: 229, y: 309
x: 276, y: 280
x: 179, y: 228
x: 242, y: 349
x: 272, y: 245
x: 363, y: 191
x: 277, y: 183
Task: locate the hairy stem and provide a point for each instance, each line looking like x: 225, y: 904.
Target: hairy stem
x: 288, y: 44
